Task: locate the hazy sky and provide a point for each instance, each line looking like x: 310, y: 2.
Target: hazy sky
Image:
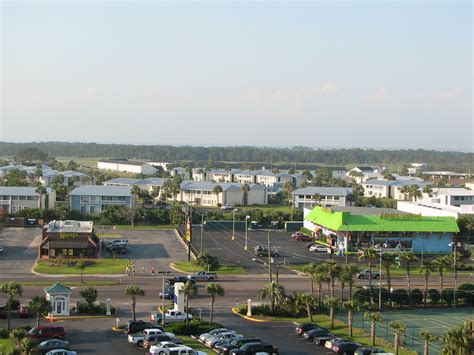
x: 392, y: 74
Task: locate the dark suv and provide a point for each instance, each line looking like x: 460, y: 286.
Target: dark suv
x: 47, y: 332
x: 252, y: 348
x: 226, y: 348
x: 137, y: 326
x: 261, y: 250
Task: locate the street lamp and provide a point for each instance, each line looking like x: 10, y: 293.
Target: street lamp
x: 202, y: 232
x: 233, y: 223
x: 246, y: 232
x: 380, y: 280
x: 163, y: 273
x: 455, y: 246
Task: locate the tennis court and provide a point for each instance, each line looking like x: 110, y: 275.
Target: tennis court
x: 437, y: 321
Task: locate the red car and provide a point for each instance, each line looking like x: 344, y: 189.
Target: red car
x: 24, y: 312
x: 47, y: 332
x: 303, y: 238
x: 3, y: 312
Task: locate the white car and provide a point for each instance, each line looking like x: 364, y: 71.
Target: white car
x: 205, y: 336
x: 180, y: 350
x: 218, y: 337
x: 139, y: 338
x: 61, y: 352
x: 156, y: 349
x: 318, y: 248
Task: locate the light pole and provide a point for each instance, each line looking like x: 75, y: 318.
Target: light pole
x: 202, y: 232
x: 246, y: 232
x: 163, y: 273
x: 233, y: 224
x: 380, y: 281
x: 455, y: 246
x: 269, y: 258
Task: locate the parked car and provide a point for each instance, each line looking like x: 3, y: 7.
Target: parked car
x: 47, y: 332
x: 153, y: 339
x: 304, y: 327
x: 2, y: 249
x: 159, y: 348
x: 223, y: 338
x: 308, y: 245
x: 254, y: 348
x: 225, y: 348
x: 227, y: 208
x: 303, y: 238
x: 322, y: 339
x: 52, y: 344
x: 123, y: 242
x: 139, y: 338
x: 369, y: 350
x: 319, y: 248
x: 61, y: 352
x: 171, y: 316
x: 180, y: 350
x: 118, y: 249
x: 364, y: 274
x: 346, y: 348
x: 203, y: 337
x: 169, y: 293
x: 297, y: 234
x: 329, y: 344
x: 264, y: 252
x: 3, y: 311
x: 24, y: 312
x: 137, y: 326
x: 317, y: 332
x: 212, y: 339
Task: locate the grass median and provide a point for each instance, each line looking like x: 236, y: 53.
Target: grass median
x: 6, y: 345
x: 98, y: 267
x: 70, y: 283
x: 191, y: 266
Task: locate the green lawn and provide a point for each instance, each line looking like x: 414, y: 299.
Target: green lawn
x: 194, y: 344
x: 7, y: 344
x: 102, y: 266
x: 151, y: 227
x: 340, y: 328
x: 190, y: 266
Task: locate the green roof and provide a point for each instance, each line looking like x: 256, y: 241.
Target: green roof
x: 58, y: 288
x: 342, y: 221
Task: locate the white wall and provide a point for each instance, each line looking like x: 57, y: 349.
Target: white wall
x: 410, y: 207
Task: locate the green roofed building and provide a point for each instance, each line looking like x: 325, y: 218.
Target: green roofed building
x: 382, y: 230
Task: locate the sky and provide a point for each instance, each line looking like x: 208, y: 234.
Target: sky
x: 379, y: 74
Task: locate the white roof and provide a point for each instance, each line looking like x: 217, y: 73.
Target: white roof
x: 452, y: 191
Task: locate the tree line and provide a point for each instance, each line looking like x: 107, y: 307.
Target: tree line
x: 438, y: 159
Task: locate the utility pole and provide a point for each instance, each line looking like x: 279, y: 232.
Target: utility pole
x: 163, y: 273
x: 270, y: 278
x: 380, y: 281
x: 202, y: 232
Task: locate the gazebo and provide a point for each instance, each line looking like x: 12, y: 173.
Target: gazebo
x: 59, y: 297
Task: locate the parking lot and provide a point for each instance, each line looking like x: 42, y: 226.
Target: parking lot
x: 21, y: 249
x: 220, y: 244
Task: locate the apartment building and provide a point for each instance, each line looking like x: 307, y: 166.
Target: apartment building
x: 96, y: 198
x: 309, y: 197
x: 13, y: 199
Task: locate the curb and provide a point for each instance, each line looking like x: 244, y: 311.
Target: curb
x: 234, y: 310
x: 54, y: 319
x: 118, y: 330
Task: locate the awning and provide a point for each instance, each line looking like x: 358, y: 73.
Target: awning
x: 66, y: 244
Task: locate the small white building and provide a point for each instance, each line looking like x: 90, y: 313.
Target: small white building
x: 328, y: 196
x: 60, y: 297
x: 126, y: 166
x: 13, y: 199
x: 220, y: 176
x: 388, y: 188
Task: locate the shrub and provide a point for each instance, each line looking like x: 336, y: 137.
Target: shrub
x: 207, y: 260
x: 434, y: 296
x: 362, y: 296
x: 69, y: 262
x: 416, y: 296
x: 194, y: 327
x: 465, y: 292
x: 4, y: 334
x: 448, y: 296
x: 400, y: 296
x: 464, y: 267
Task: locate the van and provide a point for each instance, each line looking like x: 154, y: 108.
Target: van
x: 47, y: 332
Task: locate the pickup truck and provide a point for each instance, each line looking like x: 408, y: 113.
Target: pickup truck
x: 364, y: 274
x: 139, y: 338
x: 203, y: 276
x: 170, y: 316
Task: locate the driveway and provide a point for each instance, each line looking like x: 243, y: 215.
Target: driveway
x: 21, y: 249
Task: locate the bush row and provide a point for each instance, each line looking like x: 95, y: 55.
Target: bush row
x: 194, y: 327
x: 69, y: 262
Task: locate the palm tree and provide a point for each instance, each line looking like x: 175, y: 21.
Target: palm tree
x: 136, y: 190
x: 426, y: 270
x: 373, y: 317
x: 245, y: 189
x: 457, y: 341
x: 273, y: 291
x: 369, y: 254
x: 440, y: 264
x: 332, y: 270
x: 414, y: 192
x: 407, y: 258
x: 39, y: 305
x: 311, y: 269
x: 41, y: 190
x: 351, y: 307
x: 81, y: 265
x: 214, y: 290
x: 306, y: 301
x: 11, y: 290
x: 133, y: 291
x: 189, y: 289
x: 350, y: 271
x: 399, y: 328
x: 288, y: 187
x: 217, y: 190
x: 90, y: 294
x: 405, y: 190
x: 331, y: 303
x: 427, y: 339
x: 427, y: 189
x: 388, y: 260
x: 319, y: 278
x: 316, y: 198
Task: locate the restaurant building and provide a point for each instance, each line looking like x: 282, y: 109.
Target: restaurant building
x: 344, y: 230
x: 69, y: 239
